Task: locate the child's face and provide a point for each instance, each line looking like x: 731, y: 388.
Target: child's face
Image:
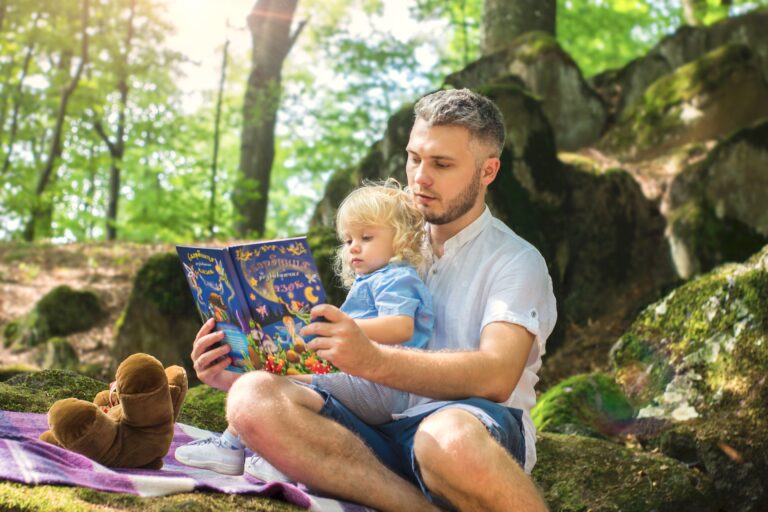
x: 368, y: 248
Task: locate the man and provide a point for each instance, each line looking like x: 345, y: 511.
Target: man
x: 494, y: 309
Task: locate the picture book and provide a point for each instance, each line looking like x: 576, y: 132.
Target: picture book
x: 260, y: 295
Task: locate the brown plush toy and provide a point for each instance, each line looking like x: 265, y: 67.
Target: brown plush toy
x: 128, y: 426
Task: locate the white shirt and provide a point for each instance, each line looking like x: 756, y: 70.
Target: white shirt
x: 490, y: 274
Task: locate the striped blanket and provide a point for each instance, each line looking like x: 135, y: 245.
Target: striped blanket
x: 25, y: 459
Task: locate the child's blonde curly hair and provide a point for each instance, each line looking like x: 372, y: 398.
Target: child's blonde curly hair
x: 384, y: 204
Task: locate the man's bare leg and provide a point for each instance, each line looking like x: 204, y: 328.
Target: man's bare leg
x: 279, y: 419
x: 461, y: 462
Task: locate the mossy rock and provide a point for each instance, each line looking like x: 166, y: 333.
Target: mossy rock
x: 720, y: 92
x: 54, y: 384
x: 698, y: 359
x: 12, y: 370
x: 161, y: 318
x: 704, y: 341
x: 578, y: 474
x: 60, y: 312
x: 58, y: 353
x: 588, y: 404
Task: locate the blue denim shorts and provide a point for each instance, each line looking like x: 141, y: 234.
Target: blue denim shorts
x: 393, y: 442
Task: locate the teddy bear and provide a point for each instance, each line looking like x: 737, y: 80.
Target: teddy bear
x: 128, y: 426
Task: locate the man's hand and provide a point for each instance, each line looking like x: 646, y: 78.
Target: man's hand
x: 208, y: 367
x: 340, y: 341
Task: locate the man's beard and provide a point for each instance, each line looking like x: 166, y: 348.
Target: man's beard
x: 460, y: 205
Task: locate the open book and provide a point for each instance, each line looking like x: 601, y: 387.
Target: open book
x: 260, y: 295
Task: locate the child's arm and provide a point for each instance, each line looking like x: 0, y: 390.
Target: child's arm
x: 390, y: 330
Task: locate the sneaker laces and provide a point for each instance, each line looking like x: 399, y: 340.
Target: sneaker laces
x: 214, y: 440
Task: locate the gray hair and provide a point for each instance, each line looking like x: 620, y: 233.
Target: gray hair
x: 462, y: 107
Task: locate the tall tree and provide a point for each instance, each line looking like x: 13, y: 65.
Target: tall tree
x: 272, y: 37
x: 116, y: 146
x: 504, y: 20
x: 216, y: 139
x: 40, y: 217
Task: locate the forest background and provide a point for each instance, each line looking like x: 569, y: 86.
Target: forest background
x: 108, y: 132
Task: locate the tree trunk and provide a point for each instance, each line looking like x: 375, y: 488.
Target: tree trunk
x: 270, y: 25
x: 18, y: 99
x: 504, y: 20
x: 40, y: 217
x: 215, y: 159
x: 694, y: 11
x: 117, y: 147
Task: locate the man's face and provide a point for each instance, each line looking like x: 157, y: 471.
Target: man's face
x: 443, y: 172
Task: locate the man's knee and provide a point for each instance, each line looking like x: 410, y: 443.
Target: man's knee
x: 450, y: 439
x: 252, y: 396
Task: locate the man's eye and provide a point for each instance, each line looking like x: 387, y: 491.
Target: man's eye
x: 442, y: 165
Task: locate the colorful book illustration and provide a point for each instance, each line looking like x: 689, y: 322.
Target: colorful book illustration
x: 260, y: 295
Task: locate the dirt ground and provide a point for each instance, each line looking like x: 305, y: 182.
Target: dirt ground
x: 29, y: 271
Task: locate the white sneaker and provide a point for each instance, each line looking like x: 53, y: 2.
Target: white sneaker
x: 263, y: 470
x: 210, y: 453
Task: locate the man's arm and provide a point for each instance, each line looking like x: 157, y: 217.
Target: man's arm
x: 491, y: 372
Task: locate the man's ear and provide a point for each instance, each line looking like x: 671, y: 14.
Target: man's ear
x: 490, y: 169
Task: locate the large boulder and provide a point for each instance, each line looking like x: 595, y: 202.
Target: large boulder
x: 698, y: 360
x: 60, y: 312
x: 625, y: 87
x: 716, y: 206
x: 160, y: 318
x: 722, y: 91
x: 576, y: 113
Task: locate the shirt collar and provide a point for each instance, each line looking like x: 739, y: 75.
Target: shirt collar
x: 391, y: 264
x: 470, y: 232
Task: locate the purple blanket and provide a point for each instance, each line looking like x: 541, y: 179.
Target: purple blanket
x: 25, y: 459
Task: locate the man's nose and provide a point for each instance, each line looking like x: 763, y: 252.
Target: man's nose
x: 420, y: 176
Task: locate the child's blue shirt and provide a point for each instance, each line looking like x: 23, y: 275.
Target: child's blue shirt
x: 395, y: 289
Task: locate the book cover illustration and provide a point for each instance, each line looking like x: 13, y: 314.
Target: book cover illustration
x: 216, y: 289
x: 260, y: 295
x: 281, y: 285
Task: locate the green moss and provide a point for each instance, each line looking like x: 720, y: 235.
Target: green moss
x: 578, y: 474
x: 531, y: 45
x: 64, y: 311
x: 59, y: 353
x: 204, y: 407
x: 161, y: 281
x: 48, y: 498
x: 710, y: 331
x: 586, y: 403
x: 54, y: 385
x: 11, y: 370
x: 649, y: 122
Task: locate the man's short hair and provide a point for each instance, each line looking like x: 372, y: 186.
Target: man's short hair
x: 462, y: 107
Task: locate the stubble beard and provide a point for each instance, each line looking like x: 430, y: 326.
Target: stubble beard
x: 460, y: 205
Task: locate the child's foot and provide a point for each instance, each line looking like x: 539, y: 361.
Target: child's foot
x: 214, y: 454
x: 263, y: 470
